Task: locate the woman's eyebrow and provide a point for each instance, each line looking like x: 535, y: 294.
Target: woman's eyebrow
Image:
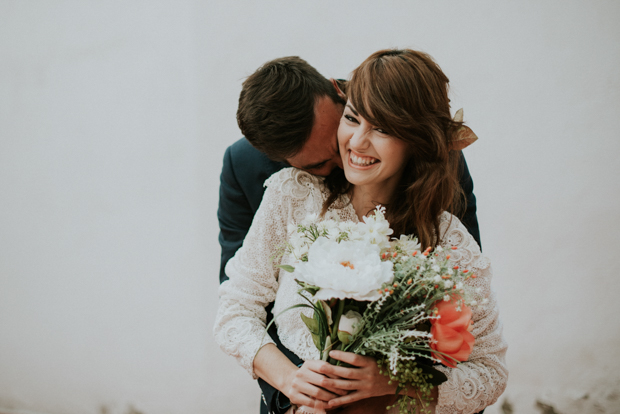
x: 353, y: 110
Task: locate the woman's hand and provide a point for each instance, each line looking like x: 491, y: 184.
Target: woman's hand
x: 303, y: 386
x: 309, y: 387
x: 362, y: 381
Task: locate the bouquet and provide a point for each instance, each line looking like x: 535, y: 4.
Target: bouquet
x: 409, y: 309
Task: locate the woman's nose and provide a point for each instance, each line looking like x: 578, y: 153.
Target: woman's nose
x: 359, y: 140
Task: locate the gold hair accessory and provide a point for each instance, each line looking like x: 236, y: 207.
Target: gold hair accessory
x: 464, y: 136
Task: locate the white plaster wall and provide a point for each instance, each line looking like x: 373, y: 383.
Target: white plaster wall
x: 114, y: 117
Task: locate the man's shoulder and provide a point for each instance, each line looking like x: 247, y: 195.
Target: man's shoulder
x: 246, y: 169
x: 242, y: 149
x: 243, y: 157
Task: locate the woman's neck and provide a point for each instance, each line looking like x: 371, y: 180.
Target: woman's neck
x: 365, y: 198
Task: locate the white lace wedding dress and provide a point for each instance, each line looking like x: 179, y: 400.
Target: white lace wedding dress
x: 254, y: 282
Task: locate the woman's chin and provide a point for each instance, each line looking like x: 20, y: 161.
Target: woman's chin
x: 356, y: 178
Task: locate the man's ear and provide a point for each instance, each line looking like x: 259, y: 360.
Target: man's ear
x: 338, y: 90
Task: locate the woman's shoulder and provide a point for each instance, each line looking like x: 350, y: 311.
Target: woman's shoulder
x: 293, y: 182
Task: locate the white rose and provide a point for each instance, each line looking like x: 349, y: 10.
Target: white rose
x: 350, y: 322
x: 349, y: 269
x: 348, y: 326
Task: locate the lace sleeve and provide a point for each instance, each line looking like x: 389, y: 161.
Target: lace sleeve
x: 478, y: 382
x: 253, y: 276
x: 253, y: 281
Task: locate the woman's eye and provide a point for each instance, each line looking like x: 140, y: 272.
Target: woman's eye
x: 350, y: 118
x: 382, y: 131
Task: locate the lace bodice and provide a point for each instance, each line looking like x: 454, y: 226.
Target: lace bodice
x: 255, y: 281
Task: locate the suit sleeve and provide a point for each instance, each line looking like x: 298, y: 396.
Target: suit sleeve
x: 469, y: 219
x: 234, y: 213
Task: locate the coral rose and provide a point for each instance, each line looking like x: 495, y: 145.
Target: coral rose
x: 451, y: 331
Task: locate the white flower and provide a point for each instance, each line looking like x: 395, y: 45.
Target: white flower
x: 299, y: 245
x: 450, y: 272
x: 439, y: 249
x: 459, y: 285
x: 408, y: 244
x: 331, y: 227
x: 376, y: 229
x: 437, y: 279
x: 350, y: 323
x: 310, y: 219
x: 349, y: 269
x: 447, y: 284
x: 446, y: 298
x: 436, y: 268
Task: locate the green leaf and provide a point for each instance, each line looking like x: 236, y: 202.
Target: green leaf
x: 287, y: 268
x: 328, y: 346
x: 345, y: 337
x: 311, y: 323
x: 311, y: 289
x: 317, y: 341
x: 336, y: 318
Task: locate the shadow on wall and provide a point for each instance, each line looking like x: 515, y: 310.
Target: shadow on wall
x: 602, y: 402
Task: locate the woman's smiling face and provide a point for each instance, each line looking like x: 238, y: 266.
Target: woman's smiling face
x: 370, y: 155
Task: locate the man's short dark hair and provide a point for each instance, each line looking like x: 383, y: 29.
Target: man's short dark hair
x: 276, y: 105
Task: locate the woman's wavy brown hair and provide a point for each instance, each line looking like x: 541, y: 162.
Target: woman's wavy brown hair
x: 406, y: 93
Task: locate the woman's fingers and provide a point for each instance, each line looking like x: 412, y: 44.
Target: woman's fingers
x: 346, y: 399
x: 309, y: 383
x: 351, y: 358
x: 345, y: 385
x: 364, y: 379
x: 315, y: 375
x: 309, y: 387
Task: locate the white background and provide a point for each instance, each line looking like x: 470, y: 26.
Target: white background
x: 114, y: 117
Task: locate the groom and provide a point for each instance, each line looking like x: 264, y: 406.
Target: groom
x: 289, y: 114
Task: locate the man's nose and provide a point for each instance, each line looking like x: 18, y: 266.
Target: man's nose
x: 338, y: 160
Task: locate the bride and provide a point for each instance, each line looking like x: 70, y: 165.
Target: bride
x: 397, y: 140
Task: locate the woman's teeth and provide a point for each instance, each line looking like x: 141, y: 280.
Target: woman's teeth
x: 362, y: 161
